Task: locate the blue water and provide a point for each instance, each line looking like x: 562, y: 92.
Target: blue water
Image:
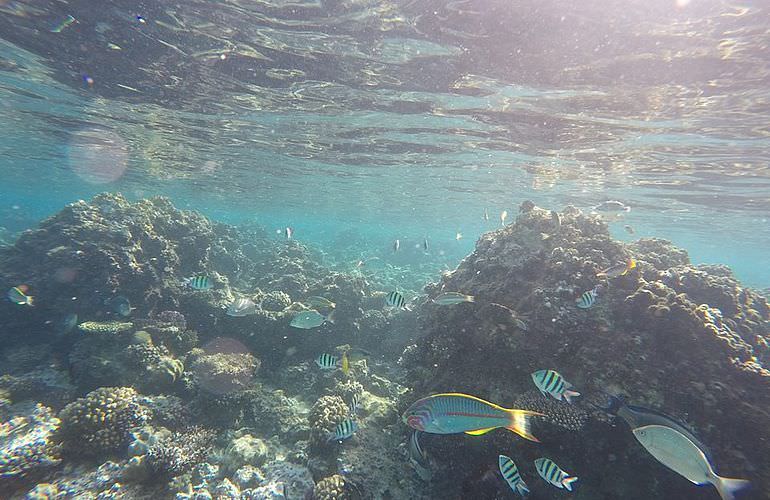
x: 361, y: 122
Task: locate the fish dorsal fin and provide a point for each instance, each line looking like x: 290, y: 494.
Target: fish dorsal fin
x: 479, y: 432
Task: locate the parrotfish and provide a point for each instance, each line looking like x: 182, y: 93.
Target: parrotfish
x: 552, y: 474
x: 453, y: 413
x: 551, y: 382
x: 18, y: 295
x: 451, y: 298
x: 511, y: 475
x: 680, y: 454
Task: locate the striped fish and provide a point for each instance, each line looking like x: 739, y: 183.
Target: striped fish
x: 551, y: 382
x: 344, y: 430
x: 327, y: 361
x: 452, y: 413
x: 355, y: 404
x: 511, y: 475
x: 553, y: 474
x: 587, y: 299
x: 395, y: 299
x: 200, y: 282
x: 418, y: 458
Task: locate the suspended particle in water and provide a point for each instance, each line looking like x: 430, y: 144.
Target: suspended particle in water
x: 97, y: 156
x: 88, y: 81
x: 140, y: 19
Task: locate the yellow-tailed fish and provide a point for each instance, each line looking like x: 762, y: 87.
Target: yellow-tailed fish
x: 453, y: 413
x: 18, y: 295
x: 617, y: 269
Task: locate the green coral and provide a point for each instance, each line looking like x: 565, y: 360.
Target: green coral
x: 102, y: 421
x: 105, y: 327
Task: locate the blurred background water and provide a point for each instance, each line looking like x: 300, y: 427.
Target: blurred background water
x: 357, y: 122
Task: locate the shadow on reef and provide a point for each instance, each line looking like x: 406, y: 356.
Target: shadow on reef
x: 686, y: 339
x: 176, y: 398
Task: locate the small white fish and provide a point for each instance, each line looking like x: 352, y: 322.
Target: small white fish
x: 452, y: 298
x: 503, y: 216
x: 241, y: 307
x: 288, y: 232
x: 310, y: 319
x: 520, y: 324
x: 459, y: 236
x: 486, y: 215
x: 396, y: 246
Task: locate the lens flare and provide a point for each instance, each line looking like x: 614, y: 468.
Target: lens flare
x: 98, y: 156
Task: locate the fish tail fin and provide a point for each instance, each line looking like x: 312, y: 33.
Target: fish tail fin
x: 728, y: 487
x: 30, y: 300
x: 522, y: 489
x: 567, y: 482
x: 521, y: 423
x: 330, y: 317
x: 568, y: 395
x: 471, y: 298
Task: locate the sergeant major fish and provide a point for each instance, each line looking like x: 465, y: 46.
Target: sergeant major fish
x: 327, y: 361
x: 453, y: 413
x: 551, y: 382
x: 552, y: 474
x: 511, y: 475
x: 452, y: 298
x: 199, y: 282
x: 587, y: 299
x: 343, y: 430
x: 395, y: 299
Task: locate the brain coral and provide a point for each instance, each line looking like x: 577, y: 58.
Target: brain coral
x: 102, y: 421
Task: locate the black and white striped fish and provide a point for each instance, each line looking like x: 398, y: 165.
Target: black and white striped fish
x: 395, y: 299
x: 418, y: 458
x: 511, y: 475
x: 551, y: 382
x: 199, y: 282
x: 355, y: 404
x: 552, y: 474
x: 344, y: 430
x: 587, y: 299
x: 327, y: 361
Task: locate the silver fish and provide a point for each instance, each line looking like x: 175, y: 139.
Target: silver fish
x: 452, y: 298
x: 680, y: 454
x: 310, y: 319
x: 396, y: 246
x: 241, y: 307
x: 612, y: 207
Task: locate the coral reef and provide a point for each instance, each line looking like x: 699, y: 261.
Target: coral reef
x: 326, y: 413
x: 101, y: 422
x: 26, y: 441
x: 682, y: 338
x: 332, y: 488
x: 178, y: 452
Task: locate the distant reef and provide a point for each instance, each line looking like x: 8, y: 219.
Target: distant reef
x: 124, y: 381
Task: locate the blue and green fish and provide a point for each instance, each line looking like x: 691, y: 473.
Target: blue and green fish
x: 587, y: 299
x: 551, y: 382
x: 453, y: 413
x: 511, y: 475
x: 552, y: 474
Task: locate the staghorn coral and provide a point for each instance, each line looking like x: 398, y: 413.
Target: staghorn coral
x: 26, y: 442
x: 102, y: 421
x: 325, y: 414
x: 105, y: 327
x: 333, y: 487
x: 179, y: 452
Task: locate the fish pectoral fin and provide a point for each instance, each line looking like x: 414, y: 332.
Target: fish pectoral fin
x: 479, y: 432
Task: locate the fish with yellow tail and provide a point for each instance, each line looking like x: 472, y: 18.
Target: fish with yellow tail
x: 18, y: 295
x: 617, y: 269
x: 453, y: 413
